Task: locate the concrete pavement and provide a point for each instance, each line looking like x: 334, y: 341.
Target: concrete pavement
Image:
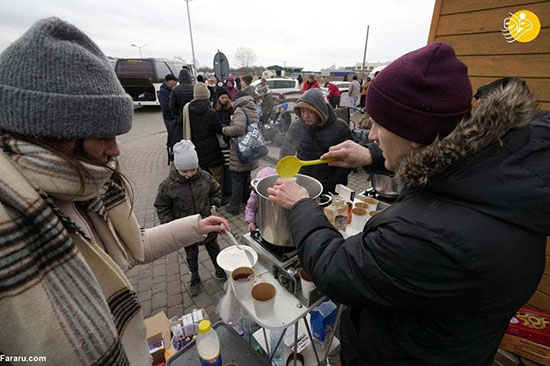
x: 164, y: 284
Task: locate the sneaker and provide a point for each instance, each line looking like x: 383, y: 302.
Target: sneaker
x: 194, y: 289
x: 220, y: 275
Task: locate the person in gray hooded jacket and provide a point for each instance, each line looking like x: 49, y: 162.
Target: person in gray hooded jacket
x: 245, y: 113
x: 311, y: 137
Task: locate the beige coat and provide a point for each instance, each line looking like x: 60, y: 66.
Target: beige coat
x: 66, y: 296
x: 243, y: 106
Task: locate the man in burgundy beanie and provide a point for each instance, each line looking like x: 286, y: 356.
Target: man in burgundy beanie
x: 435, y: 278
x: 421, y: 95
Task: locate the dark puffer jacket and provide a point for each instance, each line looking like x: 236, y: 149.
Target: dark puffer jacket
x: 204, y: 126
x: 181, y: 95
x: 311, y: 142
x: 435, y: 278
x: 179, y: 197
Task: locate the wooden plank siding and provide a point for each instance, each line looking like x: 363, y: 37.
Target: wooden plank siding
x: 473, y: 29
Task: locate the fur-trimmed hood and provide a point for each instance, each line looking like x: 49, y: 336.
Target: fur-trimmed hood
x: 498, y: 112
x: 497, y: 161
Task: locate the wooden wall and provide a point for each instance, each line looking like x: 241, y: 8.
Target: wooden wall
x: 473, y: 28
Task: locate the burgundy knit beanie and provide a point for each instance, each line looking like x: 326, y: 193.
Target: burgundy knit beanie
x: 421, y: 95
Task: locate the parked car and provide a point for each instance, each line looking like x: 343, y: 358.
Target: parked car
x: 375, y: 71
x: 280, y: 85
x: 342, y: 85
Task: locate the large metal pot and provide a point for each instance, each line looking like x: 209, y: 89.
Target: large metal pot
x: 385, y: 185
x: 271, y: 218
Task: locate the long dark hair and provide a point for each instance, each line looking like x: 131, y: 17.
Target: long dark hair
x: 75, y: 160
x: 228, y: 106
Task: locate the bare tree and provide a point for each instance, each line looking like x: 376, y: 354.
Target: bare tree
x: 245, y: 57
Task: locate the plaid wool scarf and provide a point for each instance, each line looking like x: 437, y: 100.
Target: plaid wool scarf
x: 62, y: 295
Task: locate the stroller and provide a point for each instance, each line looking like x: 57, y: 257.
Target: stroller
x: 282, y: 115
x: 359, y: 124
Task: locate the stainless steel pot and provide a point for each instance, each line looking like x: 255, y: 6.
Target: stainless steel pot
x: 385, y: 185
x: 271, y: 218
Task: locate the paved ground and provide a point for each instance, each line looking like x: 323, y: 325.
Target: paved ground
x: 163, y: 285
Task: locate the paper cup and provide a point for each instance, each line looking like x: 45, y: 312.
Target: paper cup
x: 359, y: 217
x: 307, y: 284
x: 373, y: 204
x: 263, y: 296
x: 372, y: 214
x: 242, y: 279
x: 361, y: 205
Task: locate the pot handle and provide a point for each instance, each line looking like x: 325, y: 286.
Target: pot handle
x: 254, y: 184
x: 328, y: 202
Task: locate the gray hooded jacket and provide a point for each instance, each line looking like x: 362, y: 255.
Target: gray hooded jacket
x: 309, y: 142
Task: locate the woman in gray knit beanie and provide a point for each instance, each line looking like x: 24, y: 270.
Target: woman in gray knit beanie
x: 68, y: 233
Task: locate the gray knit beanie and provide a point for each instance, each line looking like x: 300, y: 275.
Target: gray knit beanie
x: 56, y: 82
x: 185, y: 156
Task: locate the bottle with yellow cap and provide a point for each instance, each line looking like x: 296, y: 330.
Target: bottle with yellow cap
x: 208, y: 345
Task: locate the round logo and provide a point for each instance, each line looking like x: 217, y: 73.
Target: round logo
x: 522, y: 26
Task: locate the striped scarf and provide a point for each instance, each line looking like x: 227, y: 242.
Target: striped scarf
x: 61, y: 295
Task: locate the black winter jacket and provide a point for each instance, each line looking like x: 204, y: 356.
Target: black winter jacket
x: 164, y: 100
x: 179, y: 197
x: 435, y: 278
x: 204, y: 126
x: 181, y: 95
x: 310, y: 143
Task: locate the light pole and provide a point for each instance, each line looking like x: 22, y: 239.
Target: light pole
x: 191, y: 34
x: 139, y: 48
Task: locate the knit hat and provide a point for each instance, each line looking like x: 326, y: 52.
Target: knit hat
x: 185, y: 156
x: 56, y: 82
x: 200, y: 91
x: 184, y: 77
x: 222, y: 91
x: 421, y: 95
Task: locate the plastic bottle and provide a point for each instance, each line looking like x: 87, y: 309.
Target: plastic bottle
x: 208, y: 345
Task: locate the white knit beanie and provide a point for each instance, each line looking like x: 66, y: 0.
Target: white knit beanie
x: 185, y: 156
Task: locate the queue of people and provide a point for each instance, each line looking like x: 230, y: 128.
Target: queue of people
x: 68, y: 232
x: 432, y: 280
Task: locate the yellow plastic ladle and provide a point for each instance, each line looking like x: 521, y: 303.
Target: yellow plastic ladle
x: 289, y: 166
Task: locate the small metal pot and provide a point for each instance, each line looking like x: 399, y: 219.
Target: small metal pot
x: 271, y: 218
x: 385, y: 185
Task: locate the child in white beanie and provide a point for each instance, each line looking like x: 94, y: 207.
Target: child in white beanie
x: 190, y: 190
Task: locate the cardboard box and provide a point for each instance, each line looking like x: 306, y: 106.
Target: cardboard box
x: 524, y: 347
x: 531, y: 324
x: 156, y: 348
x: 158, y: 335
x: 158, y: 323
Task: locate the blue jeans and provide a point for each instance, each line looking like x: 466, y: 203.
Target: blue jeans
x: 240, y: 191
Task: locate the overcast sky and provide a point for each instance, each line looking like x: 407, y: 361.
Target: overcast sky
x: 309, y: 34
